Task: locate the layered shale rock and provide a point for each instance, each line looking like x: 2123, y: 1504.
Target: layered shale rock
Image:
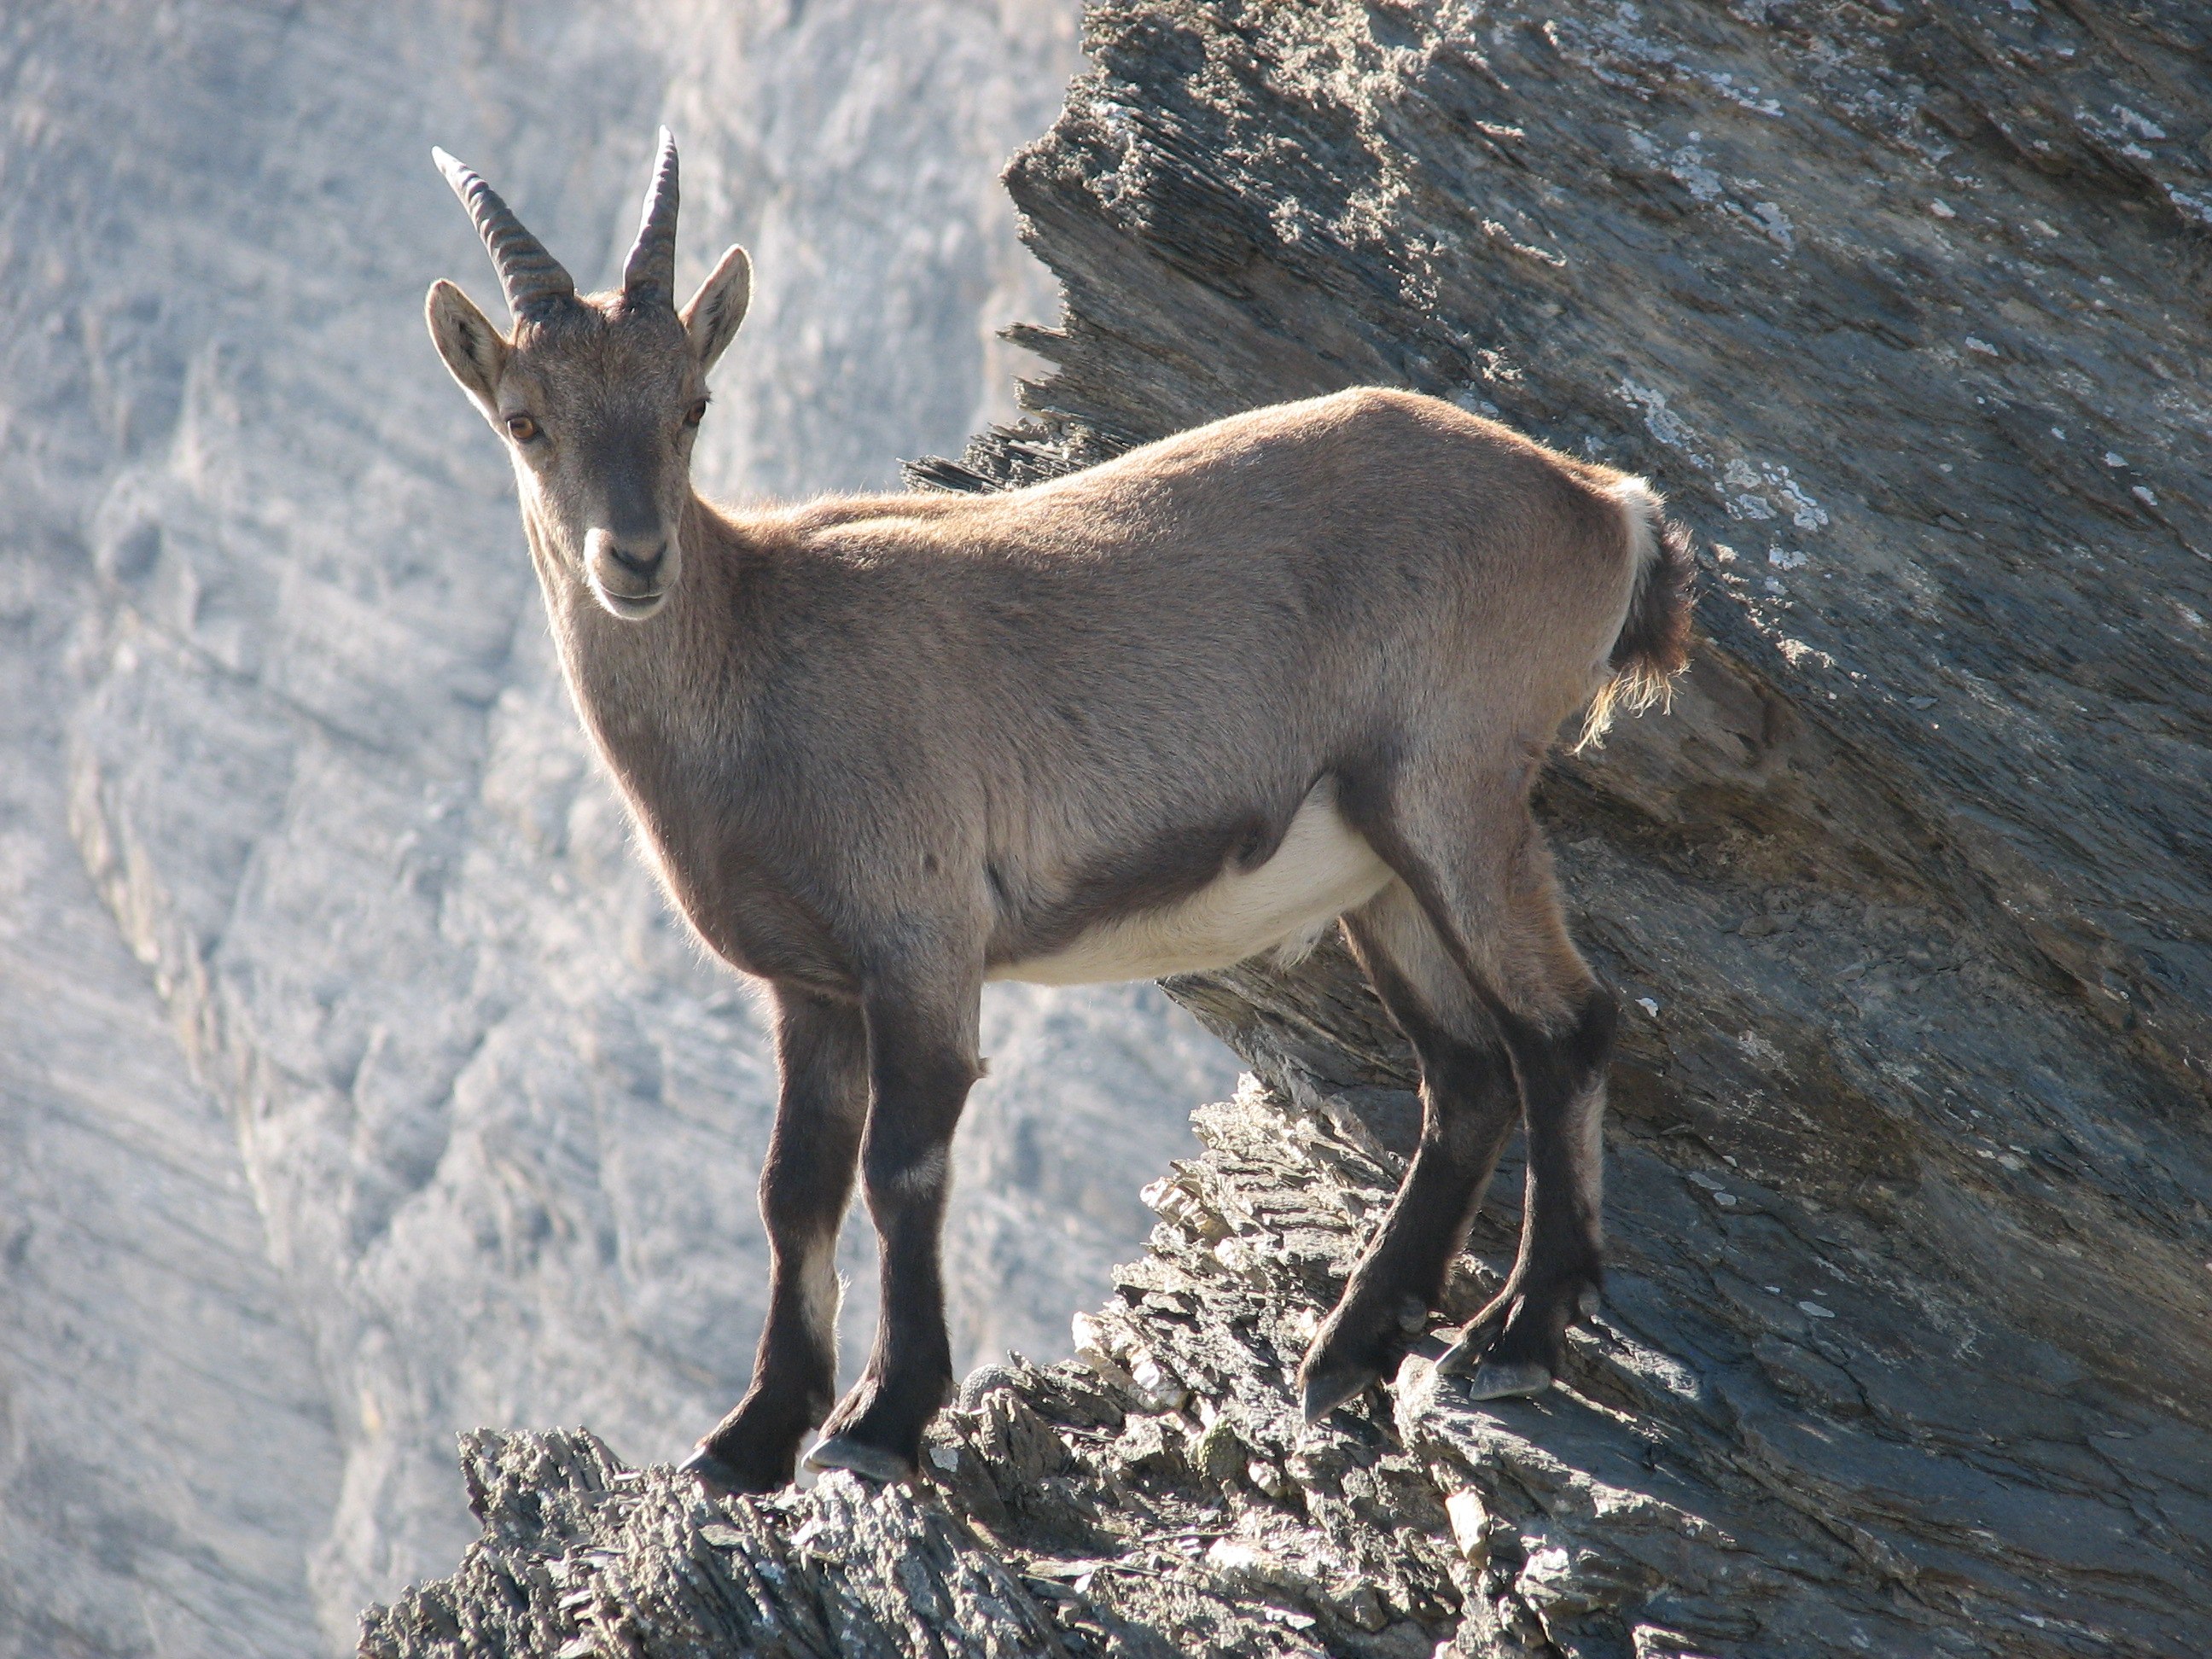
x: 1908, y: 1339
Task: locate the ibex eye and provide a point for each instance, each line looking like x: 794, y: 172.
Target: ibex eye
x: 695, y: 414
x: 522, y: 427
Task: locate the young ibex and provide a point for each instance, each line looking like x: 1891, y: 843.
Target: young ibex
x: 1198, y: 703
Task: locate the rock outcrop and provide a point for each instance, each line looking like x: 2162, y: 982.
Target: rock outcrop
x: 1908, y: 1339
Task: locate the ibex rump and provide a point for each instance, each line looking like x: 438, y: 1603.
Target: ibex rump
x: 1197, y: 702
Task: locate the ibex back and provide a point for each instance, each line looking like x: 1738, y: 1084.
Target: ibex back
x: 1201, y: 702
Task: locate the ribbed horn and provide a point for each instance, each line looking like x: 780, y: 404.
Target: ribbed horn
x: 649, y: 273
x: 535, y: 285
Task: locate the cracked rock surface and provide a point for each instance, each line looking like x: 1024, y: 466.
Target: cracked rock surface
x: 1908, y: 1340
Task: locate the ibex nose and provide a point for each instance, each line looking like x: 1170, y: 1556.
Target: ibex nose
x: 630, y: 576
x: 644, y: 564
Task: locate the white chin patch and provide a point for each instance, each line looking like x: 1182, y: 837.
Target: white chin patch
x: 630, y: 610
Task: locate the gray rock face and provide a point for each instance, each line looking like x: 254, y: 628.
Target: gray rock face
x: 165, y: 1439
x: 366, y: 1091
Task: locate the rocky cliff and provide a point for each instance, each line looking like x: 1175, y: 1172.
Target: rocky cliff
x: 1908, y: 1340
x: 354, y: 1087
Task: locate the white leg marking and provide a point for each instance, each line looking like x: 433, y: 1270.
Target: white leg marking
x: 1586, y: 1152
x: 820, y: 1291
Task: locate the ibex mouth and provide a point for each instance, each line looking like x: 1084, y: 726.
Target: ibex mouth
x: 630, y: 607
x: 630, y: 584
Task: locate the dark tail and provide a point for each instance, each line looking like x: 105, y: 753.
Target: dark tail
x: 1654, y: 643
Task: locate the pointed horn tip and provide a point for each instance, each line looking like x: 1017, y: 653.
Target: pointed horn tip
x: 650, y: 270
x: 664, y: 164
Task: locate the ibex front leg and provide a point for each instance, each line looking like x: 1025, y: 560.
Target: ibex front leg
x: 821, y: 1050
x: 922, y: 1044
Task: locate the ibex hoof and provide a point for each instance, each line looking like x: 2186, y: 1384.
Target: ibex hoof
x: 1494, y: 1381
x: 720, y: 1479
x: 1325, y: 1390
x: 1463, y: 1356
x: 839, y: 1451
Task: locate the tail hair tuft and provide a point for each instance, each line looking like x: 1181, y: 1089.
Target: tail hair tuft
x: 1653, y: 646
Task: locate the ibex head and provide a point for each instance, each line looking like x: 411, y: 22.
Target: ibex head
x: 598, y: 396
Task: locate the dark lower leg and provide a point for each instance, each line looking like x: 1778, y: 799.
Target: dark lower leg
x: 806, y: 1182
x: 1386, y: 1301
x: 1484, y: 881
x: 755, y: 1447
x: 921, y: 1085
x: 1520, y: 1338
x: 1470, y: 1101
x: 877, y: 1428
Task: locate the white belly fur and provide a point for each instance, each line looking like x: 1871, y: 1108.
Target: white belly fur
x: 1323, y: 868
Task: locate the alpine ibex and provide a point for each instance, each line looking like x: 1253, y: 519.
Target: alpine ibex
x: 1201, y: 702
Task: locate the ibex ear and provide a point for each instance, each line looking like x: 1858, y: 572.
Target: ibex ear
x: 473, y: 349
x: 719, y: 306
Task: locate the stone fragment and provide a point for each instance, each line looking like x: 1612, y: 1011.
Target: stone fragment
x: 1158, y: 1389
x: 1470, y: 1524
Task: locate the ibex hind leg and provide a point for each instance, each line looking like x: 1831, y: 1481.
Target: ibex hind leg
x: 1557, y: 1021
x: 1514, y: 1345
x: 1484, y: 880
x: 806, y: 1181
x: 1468, y: 1106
